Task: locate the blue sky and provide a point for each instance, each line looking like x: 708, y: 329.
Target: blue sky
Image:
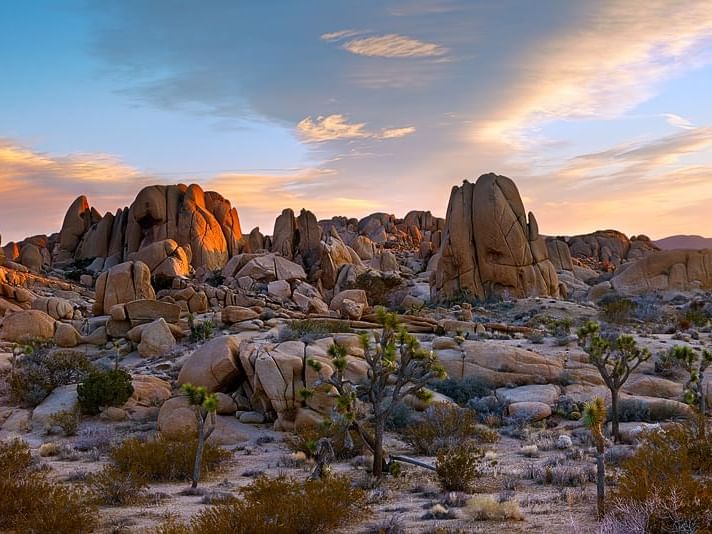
x: 599, y: 111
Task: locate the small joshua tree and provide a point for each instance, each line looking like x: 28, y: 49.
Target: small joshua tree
x: 695, y: 364
x: 594, y: 417
x: 615, y: 361
x: 205, y: 404
x: 397, y: 367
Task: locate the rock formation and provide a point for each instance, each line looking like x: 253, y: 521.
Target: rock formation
x: 673, y: 270
x: 203, y: 224
x: 489, y: 248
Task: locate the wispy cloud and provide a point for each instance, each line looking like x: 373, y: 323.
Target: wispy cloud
x: 678, y: 122
x: 336, y: 127
x: 341, y: 34
x: 394, y: 46
x: 587, y: 72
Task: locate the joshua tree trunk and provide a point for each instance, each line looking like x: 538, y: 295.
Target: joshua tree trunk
x: 614, y: 416
x: 600, y: 482
x: 378, y: 449
x: 199, y: 453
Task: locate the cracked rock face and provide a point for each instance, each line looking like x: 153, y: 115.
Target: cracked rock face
x: 490, y: 248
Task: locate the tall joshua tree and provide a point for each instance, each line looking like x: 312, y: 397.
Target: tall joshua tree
x: 397, y: 367
x: 695, y: 363
x: 594, y: 417
x: 205, y: 404
x: 615, y: 361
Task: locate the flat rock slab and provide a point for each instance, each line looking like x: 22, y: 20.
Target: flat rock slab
x: 146, y: 311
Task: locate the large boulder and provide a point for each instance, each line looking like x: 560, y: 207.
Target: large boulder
x: 214, y: 365
x: 176, y: 419
x: 55, y: 307
x: 672, y: 270
x: 165, y: 258
x: 26, y: 325
x: 271, y: 267
x: 123, y: 283
x: 156, y: 339
x: 559, y: 254
x: 489, y: 246
x: 146, y: 311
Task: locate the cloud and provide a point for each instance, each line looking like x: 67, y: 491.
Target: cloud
x: 336, y: 127
x: 604, y: 65
x: 342, y: 34
x: 678, y: 122
x: 393, y: 46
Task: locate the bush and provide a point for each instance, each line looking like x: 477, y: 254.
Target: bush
x: 280, y: 506
x: 201, y: 330
x: 162, y: 460
x: 442, y: 426
x: 378, y: 288
x: 40, y: 371
x: 401, y: 417
x: 33, y: 503
x: 458, y: 467
x: 487, y: 508
x: 67, y: 421
x: 104, y: 388
x: 95, y: 437
x: 617, y: 310
x: 305, y: 439
x: 312, y: 329
x: 461, y: 391
x: 112, y: 487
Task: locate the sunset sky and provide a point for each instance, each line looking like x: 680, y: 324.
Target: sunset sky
x: 600, y: 111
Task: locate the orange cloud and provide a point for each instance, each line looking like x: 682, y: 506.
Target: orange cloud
x: 334, y: 127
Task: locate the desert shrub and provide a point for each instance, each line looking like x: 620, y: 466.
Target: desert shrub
x: 401, y: 417
x: 347, y: 443
x: 100, y: 438
x: 461, y: 391
x: 617, y: 310
x: 162, y: 460
x: 378, y: 288
x: 312, y: 329
x: 161, y: 281
x: 487, y: 508
x: 458, y: 466
x: 530, y: 451
x: 201, y: 330
x: 280, y: 505
x: 536, y: 337
x: 39, y: 372
x: 33, y: 503
x: 67, y: 421
x: 104, y: 388
x: 216, y: 278
x: 112, y: 487
x: 442, y: 425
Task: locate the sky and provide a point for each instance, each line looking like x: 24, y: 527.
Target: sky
x: 600, y: 111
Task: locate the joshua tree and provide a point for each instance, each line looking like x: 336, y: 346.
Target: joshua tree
x: 615, y: 361
x: 594, y: 417
x: 205, y: 404
x: 695, y: 364
x: 398, y: 367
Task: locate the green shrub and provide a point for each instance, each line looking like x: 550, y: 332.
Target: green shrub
x: 39, y: 372
x: 33, y: 503
x: 67, y: 421
x: 104, y: 388
x: 280, y: 506
x: 400, y: 418
x: 444, y: 425
x: 617, y: 309
x: 162, y: 460
x: 216, y: 279
x: 113, y: 487
x: 345, y: 446
x: 458, y: 467
x: 378, y: 288
x: 312, y: 329
x: 201, y: 330
x: 462, y: 390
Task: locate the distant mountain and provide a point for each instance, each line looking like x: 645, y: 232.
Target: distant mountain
x: 684, y: 241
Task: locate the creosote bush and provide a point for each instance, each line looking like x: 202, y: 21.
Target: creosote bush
x: 461, y: 391
x: 443, y: 425
x: 312, y: 329
x: 67, y: 422
x: 40, y: 371
x: 104, y: 388
x: 458, y: 466
x: 346, y: 442
x: 31, y: 502
x: 280, y: 505
x: 162, y: 460
x: 113, y: 487
x: 487, y: 508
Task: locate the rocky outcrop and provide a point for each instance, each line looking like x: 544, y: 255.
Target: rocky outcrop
x: 489, y: 247
x: 202, y: 224
x: 673, y: 270
x: 214, y: 365
x: 610, y: 247
x: 121, y: 284
x: 27, y: 325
